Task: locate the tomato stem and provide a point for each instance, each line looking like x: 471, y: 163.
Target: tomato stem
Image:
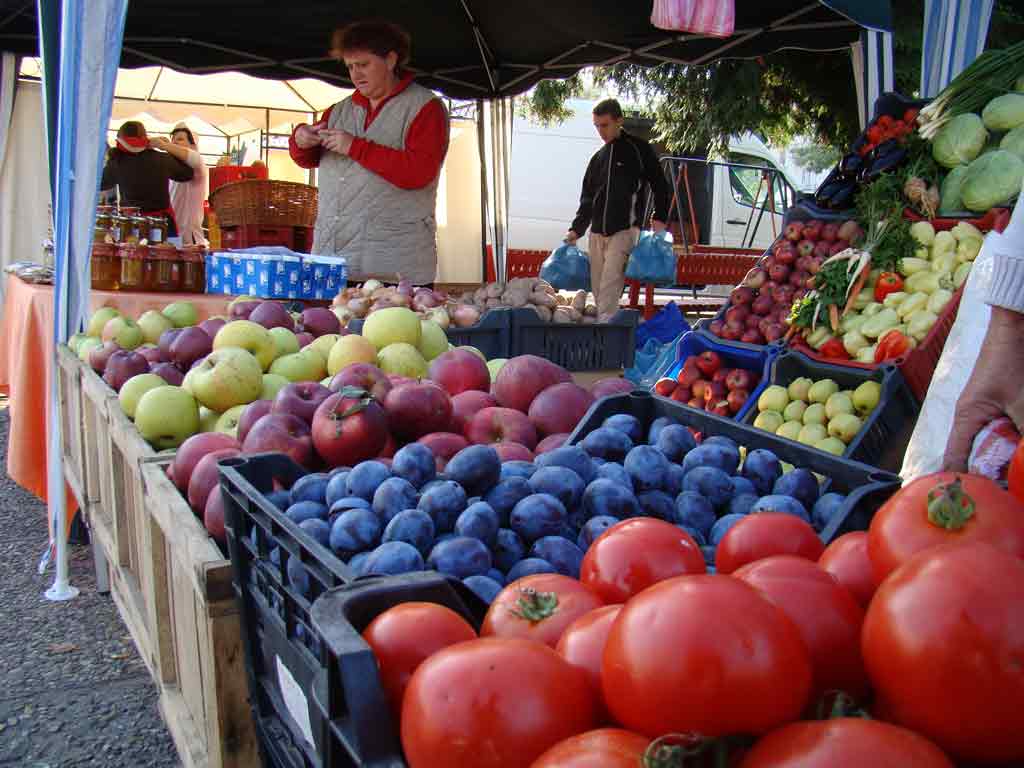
x: 535, y: 606
x: 678, y: 750
x: 949, y: 506
x: 842, y: 705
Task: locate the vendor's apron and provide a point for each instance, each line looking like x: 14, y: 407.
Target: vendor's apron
x: 381, y: 230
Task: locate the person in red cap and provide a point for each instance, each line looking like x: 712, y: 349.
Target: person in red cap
x: 141, y: 174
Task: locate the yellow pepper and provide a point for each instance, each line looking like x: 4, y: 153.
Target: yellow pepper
x: 938, y: 300
x: 866, y: 354
x: 911, y: 265
x: 918, y: 328
x: 894, y: 299
x: 944, y: 262
x: 912, y: 303
x: 960, y: 276
x: 872, y: 309
x: 925, y: 282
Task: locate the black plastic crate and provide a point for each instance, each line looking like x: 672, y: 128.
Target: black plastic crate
x: 883, y: 439
x: 866, y: 487
x: 492, y: 334
x: 596, y: 347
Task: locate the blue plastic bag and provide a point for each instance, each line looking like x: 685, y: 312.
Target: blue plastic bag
x: 664, y: 326
x: 567, y: 269
x: 652, y: 260
x: 653, y: 361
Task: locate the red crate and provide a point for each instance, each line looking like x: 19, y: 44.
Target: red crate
x: 299, y: 239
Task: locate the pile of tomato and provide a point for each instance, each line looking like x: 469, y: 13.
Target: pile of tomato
x: 887, y: 127
x: 916, y: 626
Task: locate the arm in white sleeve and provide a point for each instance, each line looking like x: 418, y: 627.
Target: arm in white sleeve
x: 1007, y: 287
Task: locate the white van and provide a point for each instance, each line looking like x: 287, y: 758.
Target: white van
x: 547, y: 170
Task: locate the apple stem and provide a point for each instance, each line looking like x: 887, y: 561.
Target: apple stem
x: 949, y: 506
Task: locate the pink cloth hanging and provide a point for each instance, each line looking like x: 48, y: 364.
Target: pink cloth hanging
x: 708, y: 17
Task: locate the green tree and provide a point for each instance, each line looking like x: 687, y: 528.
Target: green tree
x: 815, y: 157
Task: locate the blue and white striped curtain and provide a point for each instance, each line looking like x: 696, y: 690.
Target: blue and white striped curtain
x: 872, y: 70
x: 954, y: 36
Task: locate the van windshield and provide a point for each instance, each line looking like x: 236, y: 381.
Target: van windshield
x: 750, y: 188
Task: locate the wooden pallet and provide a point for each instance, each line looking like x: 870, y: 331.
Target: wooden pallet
x: 196, y: 633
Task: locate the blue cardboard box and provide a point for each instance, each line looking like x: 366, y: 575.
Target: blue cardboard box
x: 275, y: 273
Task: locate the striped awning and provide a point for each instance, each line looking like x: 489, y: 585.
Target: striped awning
x: 872, y: 69
x: 954, y: 36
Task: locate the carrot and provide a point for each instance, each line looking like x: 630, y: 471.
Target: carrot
x: 789, y: 333
x: 833, y: 316
x: 857, y: 288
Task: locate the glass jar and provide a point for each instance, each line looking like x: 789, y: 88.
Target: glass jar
x: 161, y: 270
x: 137, y: 230
x: 104, y: 220
x: 193, y: 269
x: 156, y: 227
x: 130, y: 210
x: 105, y: 267
x: 131, y: 255
x: 118, y: 226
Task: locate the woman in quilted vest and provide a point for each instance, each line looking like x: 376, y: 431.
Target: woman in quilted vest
x: 379, y: 154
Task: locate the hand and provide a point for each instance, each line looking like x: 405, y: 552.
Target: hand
x: 306, y: 137
x: 657, y: 226
x: 159, y: 142
x: 336, y: 141
x: 571, y: 237
x: 993, y: 389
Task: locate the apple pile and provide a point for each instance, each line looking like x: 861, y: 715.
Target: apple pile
x: 759, y: 307
x: 817, y: 413
x: 704, y: 383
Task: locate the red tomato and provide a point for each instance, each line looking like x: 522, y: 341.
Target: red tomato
x: 403, y: 636
x: 764, y: 535
x: 704, y: 654
x: 885, y: 121
x: 492, y: 702
x: 910, y: 116
x: 827, y: 616
x: 582, y: 645
x: 633, y: 554
x: 875, y: 134
x: 849, y: 741
x: 1016, y: 473
x: 943, y: 643
x: 892, y: 345
x: 538, y: 607
x: 834, y: 348
x: 847, y: 560
x: 940, y: 509
x: 605, y: 748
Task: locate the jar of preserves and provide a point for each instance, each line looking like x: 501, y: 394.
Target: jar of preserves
x: 118, y: 225
x: 161, y: 269
x: 130, y: 210
x: 193, y: 269
x: 131, y: 256
x: 105, y: 267
x: 137, y: 230
x: 104, y: 220
x: 156, y: 226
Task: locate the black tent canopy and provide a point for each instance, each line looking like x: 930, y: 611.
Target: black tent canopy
x: 466, y: 49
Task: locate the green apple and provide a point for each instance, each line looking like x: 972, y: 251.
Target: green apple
x: 393, y: 325
x: 815, y: 414
x: 134, y: 389
x: 153, y: 324
x: 866, y: 396
x: 324, y: 344
x: 845, y: 426
x: 790, y: 430
x: 350, y: 349
x: 475, y: 351
x: 285, y: 341
x: 272, y: 384
x: 821, y: 391
x: 769, y: 421
x: 86, y: 345
x: 186, y: 383
x: 299, y: 366
x: 166, y: 417
x: 181, y: 313
x: 228, y: 421
x: 207, y: 419
x: 837, y: 404
x: 795, y: 410
x: 774, y: 398
x: 100, y: 318
x: 402, y: 359
x: 811, y: 434
x: 798, y: 388
x: 496, y: 365
x: 831, y: 445
x: 250, y: 336
x: 75, y: 340
x: 433, y: 340
x: 123, y: 331
x: 227, y: 376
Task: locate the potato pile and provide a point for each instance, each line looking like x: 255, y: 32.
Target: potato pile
x: 533, y: 293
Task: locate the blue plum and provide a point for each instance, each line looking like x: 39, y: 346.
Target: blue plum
x: 508, y: 549
x: 355, y: 530
x: 627, y: 424
x: 479, y: 521
x: 357, y: 562
x: 318, y: 530
x: 561, y: 482
x: 655, y: 429
x: 740, y: 485
x: 415, y: 463
x: 799, y: 483
x: 593, y: 528
x: 298, y: 576
x: 779, y: 503
x: 432, y: 484
x: 476, y: 468
x: 721, y: 527
x: 460, y: 557
x: 604, y: 497
x: 311, y: 487
x: 711, y: 483
x: 762, y: 468
x: 675, y: 441
x: 713, y: 455
x: 726, y: 442
x: 657, y: 504
x: 648, y: 468
x: 598, y: 462
x: 506, y: 494
x: 674, y: 479
x: 337, y: 487
x: 280, y: 499
x: 709, y: 555
x: 529, y: 567
x: 825, y: 509
x: 694, y: 511
x: 306, y: 510
x: 495, y: 574
x: 517, y: 469
x: 348, y: 502
x: 742, y: 504
x: 537, y: 516
x: 393, y: 496
x: 571, y: 456
x: 616, y: 473
x: 365, y: 477
x: 561, y: 553
x: 607, y: 443
x: 483, y: 587
x: 413, y: 526
x: 444, y: 503
x: 392, y: 558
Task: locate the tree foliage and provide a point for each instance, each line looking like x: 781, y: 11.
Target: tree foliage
x: 815, y: 157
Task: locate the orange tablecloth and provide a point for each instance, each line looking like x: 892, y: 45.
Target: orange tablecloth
x: 26, y: 356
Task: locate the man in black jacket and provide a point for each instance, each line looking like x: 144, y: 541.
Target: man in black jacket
x: 612, y: 204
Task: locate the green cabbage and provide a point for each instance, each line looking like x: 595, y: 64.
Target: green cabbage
x: 1004, y: 113
x: 950, y: 201
x: 992, y: 179
x: 1014, y: 142
x: 959, y: 141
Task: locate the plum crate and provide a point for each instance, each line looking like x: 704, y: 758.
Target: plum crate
x: 883, y: 438
x: 492, y: 334
x: 866, y: 487
x: 750, y: 357
x: 596, y: 347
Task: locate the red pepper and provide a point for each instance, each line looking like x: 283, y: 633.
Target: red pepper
x: 910, y: 116
x: 834, y: 348
x: 888, y: 282
x: 892, y: 345
x: 885, y: 121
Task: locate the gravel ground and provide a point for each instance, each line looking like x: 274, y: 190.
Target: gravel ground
x: 73, y: 690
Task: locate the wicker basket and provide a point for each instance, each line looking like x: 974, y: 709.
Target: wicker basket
x: 265, y: 203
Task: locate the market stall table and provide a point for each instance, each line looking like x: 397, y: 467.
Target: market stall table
x: 26, y: 356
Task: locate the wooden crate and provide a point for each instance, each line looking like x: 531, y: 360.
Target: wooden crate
x: 69, y: 392
x: 196, y: 632
x: 96, y: 397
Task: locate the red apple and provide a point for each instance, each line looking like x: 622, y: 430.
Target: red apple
x: 272, y: 314
x: 755, y: 278
x: 283, y: 433
x: 443, y: 445
x: 812, y: 230
x: 320, y: 321
x: 98, y: 356
x: 522, y: 378
x: 821, y: 249
x: 762, y: 304
x: 738, y: 378
x: 721, y: 408
x: 837, y: 247
x: 736, y: 399
x: 689, y: 375
x: 458, y: 370
x: 466, y: 404
x: 805, y: 248
x: 849, y: 231
x: 737, y: 313
x: 696, y: 403
x: 769, y: 262
x: 192, y: 450
x: 501, y: 425
x: 752, y: 321
x: 794, y: 230
x: 252, y: 413
x: 397, y: 380
x: 775, y: 331
x: 559, y: 408
x: 716, y: 327
x: 169, y: 372
x: 211, y: 325
x: 787, y: 255
x: 364, y: 376
x: 721, y: 375
x: 551, y: 442
x: 829, y: 231
x: 698, y: 387
x: 715, y: 391
x: 414, y: 410
x: 166, y: 339
x: 243, y: 309
x: 611, y: 385
x: 305, y: 338
x: 733, y: 331
x: 741, y: 294
x: 190, y: 345
x: 665, y: 387
x: 681, y: 394
x: 783, y: 294
x: 346, y: 429
x: 205, y: 477
x: 152, y: 354
x: 301, y: 398
x: 513, y: 452
x: 752, y: 336
x: 708, y: 361
x: 121, y: 366
x: 388, y: 451
x: 779, y: 273
x: 213, y: 517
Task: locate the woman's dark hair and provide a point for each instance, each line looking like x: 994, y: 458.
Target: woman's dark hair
x: 609, y: 107
x: 187, y: 132
x: 377, y: 37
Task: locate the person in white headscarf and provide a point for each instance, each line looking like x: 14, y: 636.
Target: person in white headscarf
x: 186, y: 196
